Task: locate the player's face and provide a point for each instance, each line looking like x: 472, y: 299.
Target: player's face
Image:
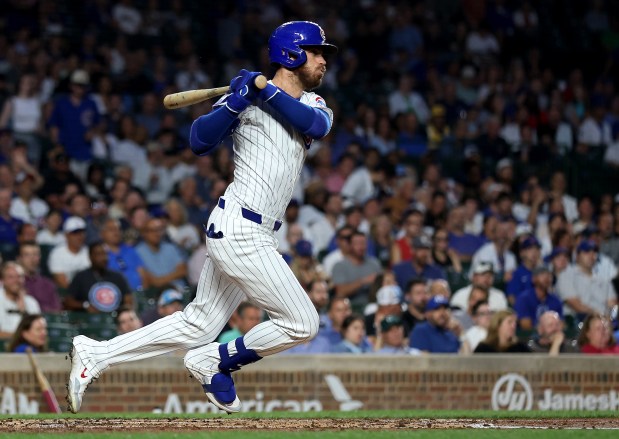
x: 312, y: 72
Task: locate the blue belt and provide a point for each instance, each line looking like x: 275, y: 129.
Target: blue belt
x: 254, y: 217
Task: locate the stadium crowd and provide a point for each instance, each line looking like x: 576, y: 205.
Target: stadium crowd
x: 466, y: 200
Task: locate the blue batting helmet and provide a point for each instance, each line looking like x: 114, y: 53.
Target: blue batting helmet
x: 288, y: 40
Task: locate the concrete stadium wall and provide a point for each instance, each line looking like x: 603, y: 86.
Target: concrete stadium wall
x: 334, y: 382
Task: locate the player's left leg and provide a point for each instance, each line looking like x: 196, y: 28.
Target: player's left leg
x: 268, y: 282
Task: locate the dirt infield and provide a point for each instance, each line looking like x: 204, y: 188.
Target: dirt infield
x: 230, y: 423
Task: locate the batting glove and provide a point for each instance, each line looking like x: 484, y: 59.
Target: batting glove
x: 244, y: 84
x: 237, y: 103
x: 268, y: 92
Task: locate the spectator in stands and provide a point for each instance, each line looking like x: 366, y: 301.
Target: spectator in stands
x: 389, y: 301
x: 249, y: 315
x: 30, y: 333
x: 304, y: 266
x: 8, y: 226
x: 466, y: 317
x: 23, y: 113
x: 482, y: 315
x: 37, y: 286
x: 26, y: 206
x: 97, y: 288
x: 420, y: 266
x: 608, y: 240
x: 433, y: 335
x: 390, y: 339
x: 530, y: 258
x: 497, y: 252
x: 596, y: 336
x: 443, y: 255
x: 502, y: 335
x: 75, y: 121
x: 170, y: 301
x: 14, y: 300
x: 338, y: 309
x: 532, y: 303
x: 380, y: 239
x: 178, y: 229
x: 416, y: 297
x: 550, y: 337
x: 67, y: 259
x: 353, y: 337
x: 342, y: 240
x: 121, y: 257
x: 127, y: 320
x: 353, y: 276
x: 412, y: 224
x: 558, y: 260
x: 163, y: 261
x: 580, y: 289
x: 58, y: 177
x: 50, y: 232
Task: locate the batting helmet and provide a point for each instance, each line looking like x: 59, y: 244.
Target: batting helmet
x: 288, y: 40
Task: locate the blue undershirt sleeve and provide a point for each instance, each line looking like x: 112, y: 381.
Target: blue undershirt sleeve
x: 311, y: 121
x: 209, y: 130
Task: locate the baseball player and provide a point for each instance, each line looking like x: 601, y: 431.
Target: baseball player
x: 272, y: 129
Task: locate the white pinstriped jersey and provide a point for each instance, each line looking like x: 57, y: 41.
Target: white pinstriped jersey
x: 268, y: 156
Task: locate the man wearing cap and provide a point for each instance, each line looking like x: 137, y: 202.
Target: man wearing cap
x: 67, y: 259
x: 433, y: 335
x: 75, y: 120
x: 483, y: 276
x: 558, y: 260
x: 303, y: 265
x: 530, y: 257
x: 497, y: 252
x: 604, y: 267
x: 98, y: 289
x: 170, y: 301
x: 532, y: 303
x: 389, y: 300
x: 421, y: 266
x: 582, y: 292
x: 390, y: 340
x: 353, y: 276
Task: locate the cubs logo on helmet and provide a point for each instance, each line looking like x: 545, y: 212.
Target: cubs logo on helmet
x: 288, y: 40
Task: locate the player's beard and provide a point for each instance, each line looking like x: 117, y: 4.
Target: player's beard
x: 310, y: 78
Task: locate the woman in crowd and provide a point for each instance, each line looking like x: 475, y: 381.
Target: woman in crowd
x: 353, y: 334
x: 31, y: 333
x: 502, y: 335
x: 596, y: 336
x: 444, y: 256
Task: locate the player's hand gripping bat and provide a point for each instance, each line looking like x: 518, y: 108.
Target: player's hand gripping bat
x: 190, y: 97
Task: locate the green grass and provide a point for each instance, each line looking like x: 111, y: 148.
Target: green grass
x: 415, y: 414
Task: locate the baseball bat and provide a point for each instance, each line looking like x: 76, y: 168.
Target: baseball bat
x: 190, y: 97
x: 46, y: 390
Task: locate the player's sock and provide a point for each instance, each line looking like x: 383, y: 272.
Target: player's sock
x: 234, y: 355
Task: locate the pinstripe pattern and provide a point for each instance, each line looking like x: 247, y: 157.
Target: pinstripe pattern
x: 269, y: 155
